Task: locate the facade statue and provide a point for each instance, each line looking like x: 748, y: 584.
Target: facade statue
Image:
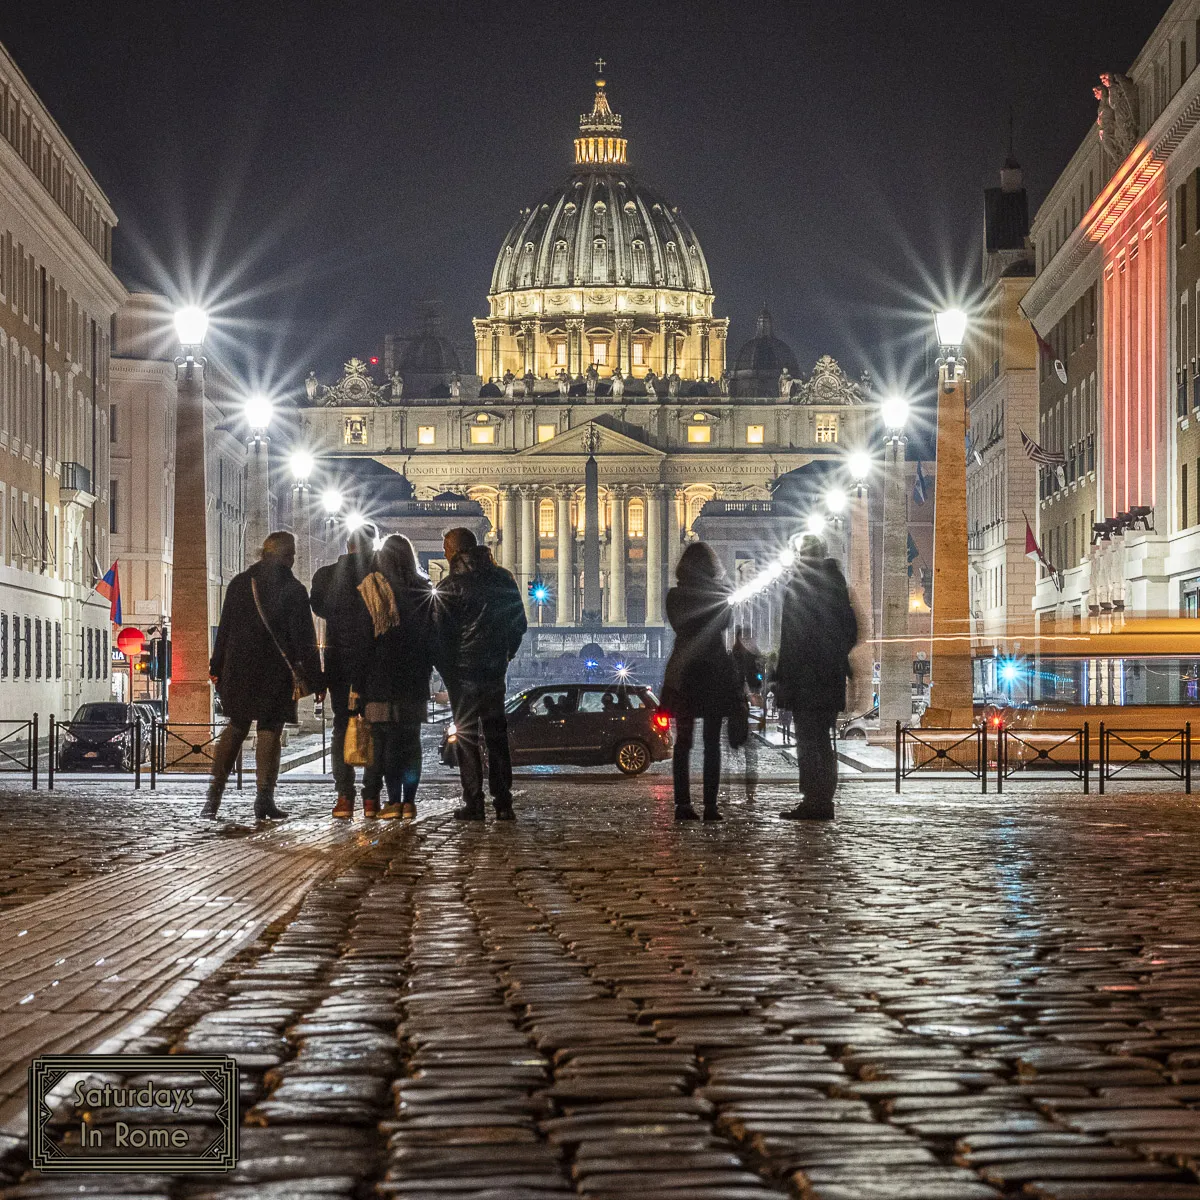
x: 592, y: 378
x: 509, y: 382
x: 397, y: 386
x: 1117, y: 114
x: 785, y: 384
x: 311, y: 385
x: 618, y: 383
x: 651, y: 382
x: 564, y: 382
x: 530, y: 379
x: 455, y: 386
x: 726, y: 376
x: 673, y: 384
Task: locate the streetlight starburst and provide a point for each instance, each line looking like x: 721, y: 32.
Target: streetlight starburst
x: 302, y: 464
x: 259, y: 410
x: 191, y: 325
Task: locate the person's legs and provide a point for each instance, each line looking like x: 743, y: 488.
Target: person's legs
x: 681, y: 764
x: 267, y: 749
x: 469, y: 751
x: 751, y: 749
x: 408, y: 734
x: 228, y: 747
x: 343, y: 775
x: 383, y: 755
x: 712, y: 766
x: 495, y: 735
x: 815, y: 763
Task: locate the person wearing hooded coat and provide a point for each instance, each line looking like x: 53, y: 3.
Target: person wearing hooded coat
x: 817, y: 632
x: 700, y: 681
x: 265, y: 644
x: 391, y: 682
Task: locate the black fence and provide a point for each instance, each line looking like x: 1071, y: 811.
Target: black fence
x: 1167, y: 751
x: 1028, y: 750
x: 18, y: 746
x: 934, y: 751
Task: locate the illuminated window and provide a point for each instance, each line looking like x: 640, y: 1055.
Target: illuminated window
x: 560, y: 354
x: 546, y: 518
x: 636, y: 517
x: 754, y: 435
x: 600, y: 353
x: 354, y: 431
x: 426, y: 435
x: 640, y: 274
x: 699, y: 433
x: 639, y: 354
x: 483, y: 435
x: 546, y: 432
x: 558, y: 268
x: 827, y: 428
x: 599, y: 261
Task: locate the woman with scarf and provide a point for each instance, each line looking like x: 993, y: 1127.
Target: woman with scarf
x: 699, y: 680
x: 392, y: 683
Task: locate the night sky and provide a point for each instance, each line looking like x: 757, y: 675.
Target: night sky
x: 317, y: 170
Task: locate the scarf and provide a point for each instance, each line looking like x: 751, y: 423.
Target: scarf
x: 380, y: 600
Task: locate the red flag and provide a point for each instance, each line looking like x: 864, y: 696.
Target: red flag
x: 110, y: 588
x: 1032, y: 549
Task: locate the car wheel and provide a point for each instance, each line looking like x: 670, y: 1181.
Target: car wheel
x: 632, y: 757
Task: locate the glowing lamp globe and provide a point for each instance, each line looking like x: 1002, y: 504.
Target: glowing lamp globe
x: 951, y: 327
x: 130, y: 641
x: 331, y: 501
x: 859, y: 464
x: 259, y: 411
x: 835, y: 501
x: 191, y: 325
x: 894, y: 412
x: 815, y: 524
x: 354, y: 520
x: 302, y: 464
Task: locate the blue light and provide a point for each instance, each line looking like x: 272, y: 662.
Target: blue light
x: 591, y: 664
x: 618, y: 666
x: 541, y: 594
x: 1009, y: 671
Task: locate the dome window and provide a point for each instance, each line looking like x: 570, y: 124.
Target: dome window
x: 673, y: 278
x: 558, y: 267
x: 560, y: 354
x: 630, y: 207
x: 639, y: 354
x: 640, y: 272
x: 600, y: 351
x: 527, y: 266
x: 569, y: 208
x: 599, y: 261
x: 599, y: 208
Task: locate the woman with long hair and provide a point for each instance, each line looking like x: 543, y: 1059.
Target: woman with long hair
x: 699, y: 681
x: 393, y: 682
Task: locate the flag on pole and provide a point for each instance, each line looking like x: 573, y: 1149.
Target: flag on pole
x: 1034, y: 551
x: 920, y: 490
x: 110, y: 588
x: 1036, y: 453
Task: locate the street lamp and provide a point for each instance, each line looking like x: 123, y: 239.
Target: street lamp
x: 858, y: 463
x: 354, y: 520
x: 258, y: 411
x: 191, y: 326
x: 835, y: 501
x: 332, y: 501
x: 951, y: 685
x: 895, y: 653
x: 894, y: 413
x: 302, y: 464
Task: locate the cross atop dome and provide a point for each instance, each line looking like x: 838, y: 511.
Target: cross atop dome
x: 601, y: 143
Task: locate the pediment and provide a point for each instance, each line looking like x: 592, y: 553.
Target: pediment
x: 594, y: 438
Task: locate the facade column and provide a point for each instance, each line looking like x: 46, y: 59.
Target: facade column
x: 508, y: 529
x: 528, y: 544
x: 702, y: 334
x: 575, y: 345
x: 677, y: 527
x: 624, y: 328
x: 654, y: 564
x: 564, y: 600
x: 496, y: 358
x: 617, y: 612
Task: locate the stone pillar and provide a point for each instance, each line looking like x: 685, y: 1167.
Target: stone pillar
x: 950, y: 687
x: 590, y: 609
x: 528, y: 544
x: 677, y: 528
x: 508, y: 529
x: 564, y: 597
x: 624, y: 328
x: 616, y: 559
x: 575, y: 345
x: 863, y: 656
x: 654, y: 563
x: 705, y: 364
x: 496, y: 356
x: 258, y: 495
x: 895, y: 651
x: 190, y: 691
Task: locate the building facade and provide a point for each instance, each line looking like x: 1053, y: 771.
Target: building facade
x: 1001, y: 354
x: 58, y: 295
x: 606, y: 391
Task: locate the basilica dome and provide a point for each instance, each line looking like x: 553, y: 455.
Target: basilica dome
x: 761, y: 361
x: 602, y: 272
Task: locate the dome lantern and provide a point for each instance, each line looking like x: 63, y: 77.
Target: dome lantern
x: 601, y: 141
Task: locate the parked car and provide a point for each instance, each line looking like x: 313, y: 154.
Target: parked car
x: 101, y: 735
x: 858, y: 727
x: 582, y: 725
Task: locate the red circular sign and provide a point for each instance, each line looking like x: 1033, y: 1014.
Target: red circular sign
x: 130, y: 641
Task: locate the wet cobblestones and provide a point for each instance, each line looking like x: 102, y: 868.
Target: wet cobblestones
x: 938, y: 997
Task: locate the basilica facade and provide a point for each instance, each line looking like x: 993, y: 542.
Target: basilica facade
x: 601, y: 386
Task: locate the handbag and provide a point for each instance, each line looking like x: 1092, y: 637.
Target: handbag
x: 358, y: 749
x: 300, y: 687
x: 737, y: 730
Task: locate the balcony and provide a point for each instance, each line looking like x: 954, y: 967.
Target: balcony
x: 1181, y: 394
x: 76, y: 478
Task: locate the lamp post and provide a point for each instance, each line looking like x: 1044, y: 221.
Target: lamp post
x: 862, y: 659
x: 190, y: 691
x: 302, y: 468
x: 895, y: 654
x: 951, y: 689
x: 258, y: 412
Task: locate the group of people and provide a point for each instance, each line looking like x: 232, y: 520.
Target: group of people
x: 386, y: 629
x: 706, y: 681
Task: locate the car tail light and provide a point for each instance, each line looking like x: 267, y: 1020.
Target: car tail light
x: 662, y: 720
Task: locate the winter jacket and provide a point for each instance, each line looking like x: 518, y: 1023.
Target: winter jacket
x: 253, y: 681
x: 481, y: 619
x: 335, y: 600
x: 392, y: 677
x: 700, y: 679
x: 818, y: 630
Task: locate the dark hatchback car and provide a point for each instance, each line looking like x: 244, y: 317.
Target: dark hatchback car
x: 101, y: 735
x: 582, y: 725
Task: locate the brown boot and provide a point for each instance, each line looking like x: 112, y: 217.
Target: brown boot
x: 370, y: 806
x: 344, y: 808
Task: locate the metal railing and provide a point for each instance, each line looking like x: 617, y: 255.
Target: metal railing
x: 928, y: 751
x: 1167, y: 750
x: 18, y: 747
x: 185, y: 746
x: 1060, y: 749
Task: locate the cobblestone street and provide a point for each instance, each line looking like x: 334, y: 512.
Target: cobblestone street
x: 941, y: 996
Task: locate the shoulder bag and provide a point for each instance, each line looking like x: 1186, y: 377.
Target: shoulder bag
x: 300, y: 686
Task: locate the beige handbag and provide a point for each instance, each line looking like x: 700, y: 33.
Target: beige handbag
x: 359, y: 747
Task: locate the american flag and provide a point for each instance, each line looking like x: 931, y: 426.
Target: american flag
x: 1050, y: 458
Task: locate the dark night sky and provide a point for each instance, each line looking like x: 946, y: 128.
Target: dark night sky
x: 317, y: 169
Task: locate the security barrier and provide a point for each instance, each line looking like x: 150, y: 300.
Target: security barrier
x: 1019, y: 750
x: 1167, y: 750
x: 183, y: 746
x: 929, y: 751
x: 18, y: 746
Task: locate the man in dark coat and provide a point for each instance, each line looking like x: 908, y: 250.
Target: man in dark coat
x: 818, y: 630
x: 482, y: 622
x: 336, y: 601
x: 265, y: 645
